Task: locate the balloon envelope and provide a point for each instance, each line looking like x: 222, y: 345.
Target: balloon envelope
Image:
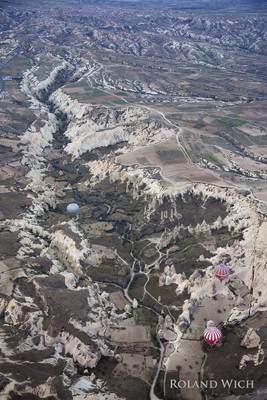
x: 212, y: 335
x: 73, y: 209
x: 221, y: 271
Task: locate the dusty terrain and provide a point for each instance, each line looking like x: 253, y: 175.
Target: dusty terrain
x: 153, y: 120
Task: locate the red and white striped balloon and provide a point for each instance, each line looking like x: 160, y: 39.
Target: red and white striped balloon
x: 221, y: 271
x: 211, y: 334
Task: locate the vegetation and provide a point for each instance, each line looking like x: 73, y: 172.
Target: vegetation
x: 169, y: 156
x: 231, y: 122
x: 211, y: 158
x: 116, y: 101
x: 121, y: 93
x: 143, y: 316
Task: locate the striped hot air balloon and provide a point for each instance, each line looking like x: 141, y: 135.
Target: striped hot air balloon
x: 221, y: 271
x: 211, y: 334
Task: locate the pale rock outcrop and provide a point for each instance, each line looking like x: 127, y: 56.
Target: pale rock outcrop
x: 69, y: 251
x: 251, y: 340
x: 135, y: 303
x: 79, y: 351
x: 169, y: 277
x: 87, y: 132
x: 257, y: 359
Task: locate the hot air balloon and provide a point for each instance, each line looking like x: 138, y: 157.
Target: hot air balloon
x: 221, y: 271
x: 211, y: 334
x: 73, y: 209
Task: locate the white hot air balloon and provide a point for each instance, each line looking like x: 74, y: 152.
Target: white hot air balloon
x: 73, y: 209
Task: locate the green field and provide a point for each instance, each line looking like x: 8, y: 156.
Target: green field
x: 116, y: 101
x: 82, y: 92
x: 121, y: 93
x: 229, y: 122
x: 169, y: 156
x: 212, y: 159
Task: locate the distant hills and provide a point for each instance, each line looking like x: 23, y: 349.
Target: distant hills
x: 183, y: 5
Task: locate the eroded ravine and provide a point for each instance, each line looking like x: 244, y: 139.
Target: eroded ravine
x: 38, y: 213
x: 187, y: 229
